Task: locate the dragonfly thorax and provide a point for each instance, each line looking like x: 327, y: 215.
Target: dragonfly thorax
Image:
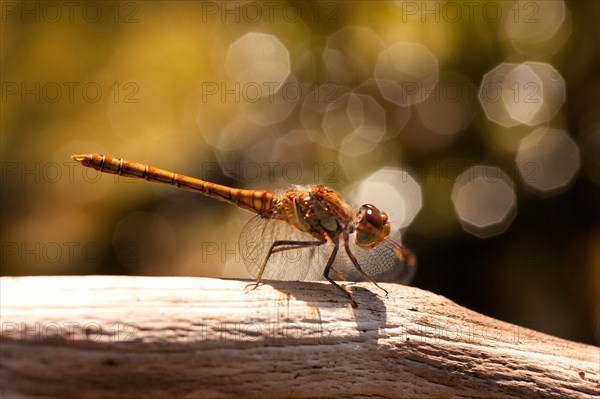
x: 317, y: 210
x: 323, y: 213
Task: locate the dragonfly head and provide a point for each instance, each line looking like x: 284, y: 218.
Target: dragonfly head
x: 372, y: 226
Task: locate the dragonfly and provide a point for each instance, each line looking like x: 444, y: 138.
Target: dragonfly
x: 295, y: 233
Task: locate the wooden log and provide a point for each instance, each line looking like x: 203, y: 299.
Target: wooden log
x: 150, y: 337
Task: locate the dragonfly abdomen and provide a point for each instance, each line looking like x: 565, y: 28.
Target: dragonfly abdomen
x: 253, y: 200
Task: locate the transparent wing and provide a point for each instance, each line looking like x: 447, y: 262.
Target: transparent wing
x: 259, y: 234
x: 387, y: 262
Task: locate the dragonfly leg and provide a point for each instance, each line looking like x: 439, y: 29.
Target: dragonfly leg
x: 326, y: 274
x: 360, y: 269
x: 272, y: 250
x: 303, y: 244
x: 340, y: 275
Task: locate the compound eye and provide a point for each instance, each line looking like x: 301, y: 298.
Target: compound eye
x: 372, y: 227
x: 372, y: 216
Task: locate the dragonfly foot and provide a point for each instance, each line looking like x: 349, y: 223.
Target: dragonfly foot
x: 251, y: 287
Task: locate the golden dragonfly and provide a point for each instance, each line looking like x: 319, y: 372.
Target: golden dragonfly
x: 310, y: 222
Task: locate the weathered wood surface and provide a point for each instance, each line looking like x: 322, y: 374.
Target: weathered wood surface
x: 147, y: 337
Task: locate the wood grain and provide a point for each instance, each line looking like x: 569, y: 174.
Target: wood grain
x: 150, y: 337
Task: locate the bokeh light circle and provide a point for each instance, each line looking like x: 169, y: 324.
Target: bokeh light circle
x: 529, y: 93
x: 406, y: 73
x: 393, y: 191
x: 547, y: 160
x: 258, y: 61
x: 485, y: 201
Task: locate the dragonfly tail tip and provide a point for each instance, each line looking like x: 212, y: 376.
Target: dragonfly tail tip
x: 78, y: 158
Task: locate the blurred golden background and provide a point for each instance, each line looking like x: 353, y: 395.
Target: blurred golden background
x: 473, y: 124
